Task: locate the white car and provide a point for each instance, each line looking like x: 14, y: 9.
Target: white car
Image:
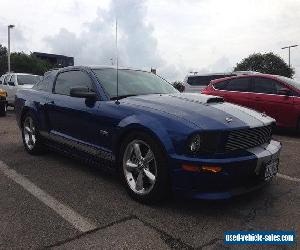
x: 195, y: 82
x: 11, y: 82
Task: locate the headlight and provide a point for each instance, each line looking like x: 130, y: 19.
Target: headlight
x: 194, y: 143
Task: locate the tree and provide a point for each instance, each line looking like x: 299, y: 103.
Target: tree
x: 267, y: 63
x: 3, y: 50
x: 23, y: 63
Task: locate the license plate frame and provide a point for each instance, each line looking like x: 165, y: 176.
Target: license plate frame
x: 270, y: 169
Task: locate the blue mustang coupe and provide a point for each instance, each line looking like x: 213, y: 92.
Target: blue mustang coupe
x: 158, y: 139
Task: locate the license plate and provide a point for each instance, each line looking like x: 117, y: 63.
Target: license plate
x: 271, y: 169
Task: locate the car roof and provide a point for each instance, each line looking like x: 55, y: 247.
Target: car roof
x: 191, y: 74
x: 13, y: 73
x: 243, y: 76
x: 93, y: 67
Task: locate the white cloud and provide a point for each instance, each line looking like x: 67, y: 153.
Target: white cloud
x: 171, y: 35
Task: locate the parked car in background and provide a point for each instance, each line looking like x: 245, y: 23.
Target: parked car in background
x: 277, y: 96
x: 194, y: 82
x: 3, y: 102
x: 156, y: 138
x: 11, y: 82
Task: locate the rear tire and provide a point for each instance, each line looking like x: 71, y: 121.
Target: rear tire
x: 143, y: 168
x: 3, y: 109
x: 30, y: 134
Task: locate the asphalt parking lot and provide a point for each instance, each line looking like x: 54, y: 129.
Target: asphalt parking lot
x: 54, y: 201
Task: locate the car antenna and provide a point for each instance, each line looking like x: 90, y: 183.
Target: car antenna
x: 117, y: 62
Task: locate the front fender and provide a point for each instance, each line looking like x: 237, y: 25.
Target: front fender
x: 147, y: 124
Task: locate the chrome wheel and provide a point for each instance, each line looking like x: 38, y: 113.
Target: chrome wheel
x: 29, y: 133
x: 139, y: 167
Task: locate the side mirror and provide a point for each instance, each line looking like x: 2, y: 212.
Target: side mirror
x: 11, y: 83
x: 283, y: 91
x: 83, y: 93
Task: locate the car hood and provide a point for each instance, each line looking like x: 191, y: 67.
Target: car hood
x: 204, y: 111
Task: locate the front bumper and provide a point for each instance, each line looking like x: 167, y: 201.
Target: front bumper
x: 241, y: 173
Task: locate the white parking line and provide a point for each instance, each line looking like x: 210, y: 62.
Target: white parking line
x: 75, y: 219
x: 283, y: 176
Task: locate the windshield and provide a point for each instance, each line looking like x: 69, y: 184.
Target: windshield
x: 290, y: 81
x: 132, y: 82
x: 28, y: 79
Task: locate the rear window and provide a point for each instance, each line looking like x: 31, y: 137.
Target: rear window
x: 27, y: 79
x: 203, y: 80
x: 221, y: 85
x: 290, y: 81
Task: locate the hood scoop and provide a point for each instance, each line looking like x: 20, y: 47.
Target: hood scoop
x: 199, y: 98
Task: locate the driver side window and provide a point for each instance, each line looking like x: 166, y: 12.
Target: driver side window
x: 71, y: 79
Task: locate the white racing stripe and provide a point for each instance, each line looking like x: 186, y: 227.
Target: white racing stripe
x: 75, y: 219
x: 286, y: 177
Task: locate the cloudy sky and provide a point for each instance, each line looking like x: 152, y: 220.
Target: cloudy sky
x: 174, y: 36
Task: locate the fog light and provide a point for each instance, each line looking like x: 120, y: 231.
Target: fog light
x: 191, y: 168
x: 203, y: 169
x: 211, y: 169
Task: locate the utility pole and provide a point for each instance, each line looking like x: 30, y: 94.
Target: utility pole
x: 289, y: 47
x: 9, y: 27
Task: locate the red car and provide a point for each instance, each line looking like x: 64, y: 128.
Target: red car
x: 277, y: 96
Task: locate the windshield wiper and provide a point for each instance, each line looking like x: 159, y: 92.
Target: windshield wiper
x: 120, y: 97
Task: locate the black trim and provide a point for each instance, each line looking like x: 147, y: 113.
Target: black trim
x: 98, y: 153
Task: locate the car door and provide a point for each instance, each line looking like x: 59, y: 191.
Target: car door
x: 5, y: 83
x: 11, y: 88
x: 267, y: 100
x: 67, y: 116
x: 236, y: 91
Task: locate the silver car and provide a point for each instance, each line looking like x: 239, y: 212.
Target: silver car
x: 11, y: 82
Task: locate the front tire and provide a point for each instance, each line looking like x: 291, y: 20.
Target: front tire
x: 3, y: 109
x: 143, y: 168
x: 30, y: 135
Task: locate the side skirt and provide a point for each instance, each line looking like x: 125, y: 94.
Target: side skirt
x: 79, y: 150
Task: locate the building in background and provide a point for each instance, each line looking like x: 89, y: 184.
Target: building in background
x: 56, y: 60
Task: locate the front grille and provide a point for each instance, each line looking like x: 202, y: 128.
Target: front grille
x: 248, y: 138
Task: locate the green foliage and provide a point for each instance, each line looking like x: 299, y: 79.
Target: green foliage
x: 23, y: 63
x: 267, y: 63
x: 3, y: 50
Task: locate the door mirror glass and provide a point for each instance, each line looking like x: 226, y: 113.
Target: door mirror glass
x: 83, y: 93
x: 11, y: 83
x: 283, y: 91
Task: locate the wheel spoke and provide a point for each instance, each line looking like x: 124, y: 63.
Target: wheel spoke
x: 149, y: 157
x: 30, y: 139
x: 30, y: 124
x: 137, y: 151
x: 139, y: 181
x: 130, y: 166
x: 150, y: 176
x: 27, y: 129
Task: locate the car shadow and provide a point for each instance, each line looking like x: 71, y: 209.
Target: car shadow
x: 287, y: 132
